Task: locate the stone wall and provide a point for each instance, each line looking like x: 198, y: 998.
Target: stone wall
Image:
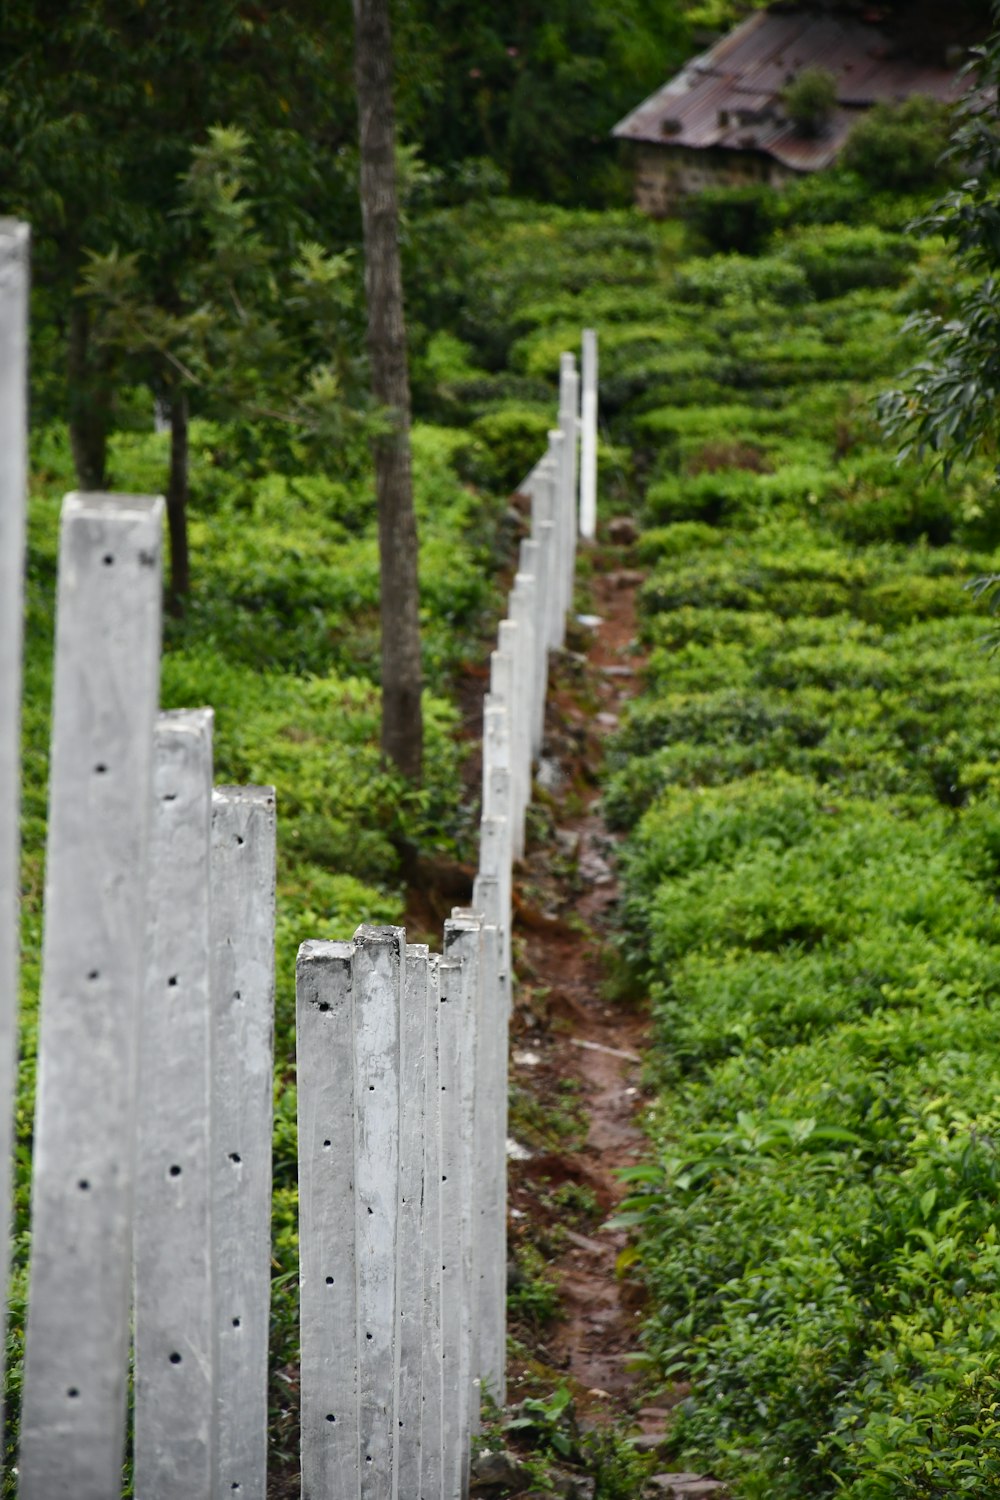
x: 665, y: 175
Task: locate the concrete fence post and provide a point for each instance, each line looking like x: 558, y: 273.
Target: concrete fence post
x: 410, y: 1273
x: 14, y: 251
x: 174, y: 1317
x: 528, y: 580
x: 432, y: 1367
x: 350, y: 1004
x: 464, y: 940
x: 523, y: 606
x: 327, y: 1244
x: 569, y: 402
x: 454, y: 1229
x: 510, y: 636
x: 557, y: 562
x: 100, y: 800
x: 242, y: 989
x: 588, y: 438
x: 379, y: 980
x: 490, y: 1201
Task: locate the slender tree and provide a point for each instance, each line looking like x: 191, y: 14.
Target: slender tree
x: 402, y: 723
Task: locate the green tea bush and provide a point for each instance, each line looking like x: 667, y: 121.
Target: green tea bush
x: 726, y: 220
x: 900, y: 145
x: 840, y: 259
x: 737, y: 279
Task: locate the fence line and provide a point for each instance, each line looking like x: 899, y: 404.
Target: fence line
x: 161, y: 888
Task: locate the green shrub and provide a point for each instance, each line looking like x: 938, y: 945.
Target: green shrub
x: 732, y: 219
x: 899, y: 145
x: 839, y: 259
x: 504, y: 445
x: 809, y: 99
x: 739, y: 280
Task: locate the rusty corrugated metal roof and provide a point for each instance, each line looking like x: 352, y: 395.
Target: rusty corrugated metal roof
x: 730, y: 96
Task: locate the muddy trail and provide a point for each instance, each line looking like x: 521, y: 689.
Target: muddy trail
x: 577, y: 1098
x: 575, y: 1056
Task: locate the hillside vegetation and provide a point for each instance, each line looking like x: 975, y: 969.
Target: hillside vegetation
x: 807, y: 785
x: 808, y: 788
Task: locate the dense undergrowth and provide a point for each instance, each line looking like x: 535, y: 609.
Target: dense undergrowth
x: 808, y: 784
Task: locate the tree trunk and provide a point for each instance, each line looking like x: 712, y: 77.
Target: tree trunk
x: 402, y: 722
x: 179, y: 586
x: 89, y: 402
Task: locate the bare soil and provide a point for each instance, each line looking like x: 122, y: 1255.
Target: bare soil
x: 569, y: 1040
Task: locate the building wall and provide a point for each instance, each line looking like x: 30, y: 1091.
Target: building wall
x: 665, y: 175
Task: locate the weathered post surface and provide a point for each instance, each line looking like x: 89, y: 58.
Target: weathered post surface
x: 350, y: 1001
x: 104, y: 712
x: 588, y: 438
x: 529, y: 569
x: 490, y: 1203
x: 14, y: 249
x: 242, y: 1005
x: 569, y: 422
x: 509, y: 638
x: 174, y: 1318
x: 451, y: 1064
x: 409, y: 1312
x: 430, y: 1256
x: 379, y: 975
x: 327, y: 1246
x: 463, y: 940
x: 494, y: 866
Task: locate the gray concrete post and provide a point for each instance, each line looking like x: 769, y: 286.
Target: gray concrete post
x: 528, y: 580
x: 431, y: 1255
x: 14, y: 253
x: 490, y: 1203
x: 328, y: 1298
x: 174, y: 1317
x: 463, y: 940
x: 379, y: 979
x: 557, y: 560
x: 511, y: 646
x: 588, y: 438
x: 100, y: 800
x: 410, y: 1269
x: 454, y: 1229
x: 242, y: 989
x: 569, y: 426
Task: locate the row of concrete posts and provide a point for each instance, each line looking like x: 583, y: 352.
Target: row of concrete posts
x: 151, y: 1166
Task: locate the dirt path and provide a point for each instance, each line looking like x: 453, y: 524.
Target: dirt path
x: 569, y: 1042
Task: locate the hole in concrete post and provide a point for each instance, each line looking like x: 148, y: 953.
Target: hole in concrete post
x: 330, y: 1417
x: 175, y: 1358
x: 172, y: 982
x: 235, y: 1156
x: 100, y: 769
x: 329, y: 1281
x: 236, y: 1322
x: 83, y: 1185
x: 72, y: 1393
x: 107, y: 559
x: 175, y: 1170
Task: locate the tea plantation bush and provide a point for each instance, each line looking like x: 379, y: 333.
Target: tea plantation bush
x: 809, y: 784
